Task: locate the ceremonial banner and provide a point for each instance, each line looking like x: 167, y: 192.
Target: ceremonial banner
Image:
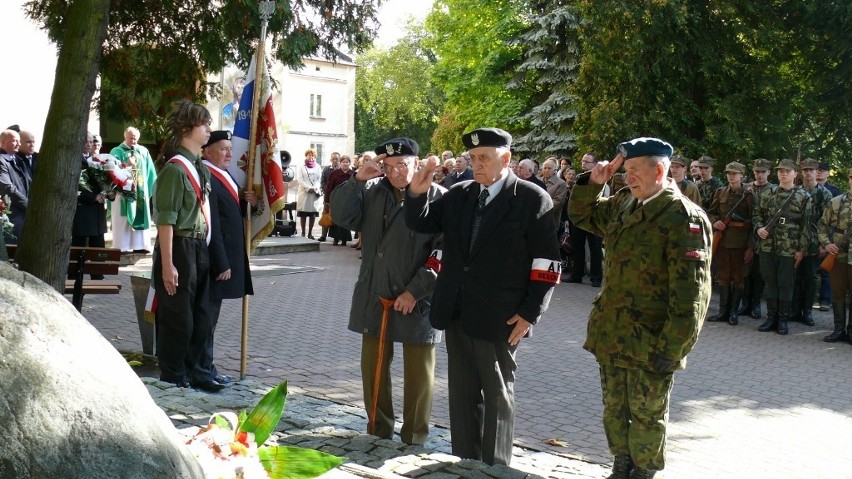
x: 267, y: 166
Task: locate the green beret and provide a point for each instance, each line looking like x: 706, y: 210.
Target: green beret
x: 644, y: 146
x: 762, y: 164
x: 706, y: 161
x: 809, y: 163
x: 788, y: 165
x: 735, y: 167
x: 398, y: 147
x: 487, y: 137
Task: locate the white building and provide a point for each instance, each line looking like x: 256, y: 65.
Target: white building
x: 314, y: 106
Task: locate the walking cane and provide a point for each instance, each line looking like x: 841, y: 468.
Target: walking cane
x: 377, y: 376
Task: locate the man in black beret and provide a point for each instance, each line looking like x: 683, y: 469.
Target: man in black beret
x: 398, y: 265
x: 500, y: 265
x: 822, y: 173
x: 655, y: 294
x: 230, y: 277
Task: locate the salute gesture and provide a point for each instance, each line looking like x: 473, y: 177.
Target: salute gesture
x: 604, y: 170
x: 370, y: 169
x: 422, y: 179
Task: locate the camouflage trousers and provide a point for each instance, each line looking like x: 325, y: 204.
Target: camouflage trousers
x: 636, y: 410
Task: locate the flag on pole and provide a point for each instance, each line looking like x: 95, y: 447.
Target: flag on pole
x: 267, y: 166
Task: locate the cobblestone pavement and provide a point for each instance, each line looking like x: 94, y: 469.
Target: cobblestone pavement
x: 749, y: 404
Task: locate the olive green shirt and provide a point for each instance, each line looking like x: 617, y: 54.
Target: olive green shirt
x: 175, y: 201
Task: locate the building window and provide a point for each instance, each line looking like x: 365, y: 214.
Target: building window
x: 318, y: 148
x: 316, y: 106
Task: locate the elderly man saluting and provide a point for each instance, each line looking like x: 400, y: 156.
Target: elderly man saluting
x: 647, y: 317
x: 500, y: 265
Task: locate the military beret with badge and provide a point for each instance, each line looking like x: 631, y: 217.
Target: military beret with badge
x: 787, y: 164
x: 398, y: 147
x: 681, y: 160
x: 218, y: 135
x: 644, y: 146
x: 705, y: 161
x: 808, y: 164
x: 494, y: 137
x: 735, y: 167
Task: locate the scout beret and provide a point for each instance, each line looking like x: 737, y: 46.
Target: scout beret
x: 787, y: 165
x: 398, y: 147
x: 218, y: 135
x: 706, y: 161
x: 644, y: 146
x: 735, y: 167
x: 808, y: 163
x: 823, y: 166
x: 487, y: 137
x: 761, y: 164
x: 680, y: 160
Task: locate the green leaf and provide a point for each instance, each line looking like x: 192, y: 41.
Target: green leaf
x: 221, y: 422
x: 265, y: 416
x: 134, y: 363
x: 288, y: 462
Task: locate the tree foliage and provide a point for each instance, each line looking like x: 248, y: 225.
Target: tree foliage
x: 551, y: 52
x: 475, y: 62
x: 394, y: 94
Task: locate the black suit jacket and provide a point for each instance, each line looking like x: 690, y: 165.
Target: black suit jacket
x: 512, y: 266
x: 14, y: 183
x: 455, y: 177
x: 227, y: 244
x: 29, y: 168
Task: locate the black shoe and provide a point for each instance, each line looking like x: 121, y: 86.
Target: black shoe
x: 224, y: 379
x: 573, y: 279
x: 210, y: 386
x: 321, y: 239
x: 756, y: 313
x: 181, y: 382
x: 808, y: 318
x: 335, y: 242
x: 596, y: 284
x: 835, y: 336
x: 311, y: 237
x: 824, y: 307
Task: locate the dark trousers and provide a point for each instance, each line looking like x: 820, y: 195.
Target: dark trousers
x: 824, y: 286
x: 804, y: 290
x: 213, y: 311
x: 779, y: 273
x: 578, y: 255
x: 183, y: 319
x: 481, y: 380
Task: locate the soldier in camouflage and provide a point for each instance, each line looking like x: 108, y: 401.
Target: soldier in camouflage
x: 833, y: 226
x: 754, y: 284
x: 648, y: 315
x: 730, y: 214
x: 687, y: 187
x: 806, y: 274
x: 781, y: 222
x: 708, y: 184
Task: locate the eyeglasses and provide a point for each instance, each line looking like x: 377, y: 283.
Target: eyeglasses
x: 399, y: 167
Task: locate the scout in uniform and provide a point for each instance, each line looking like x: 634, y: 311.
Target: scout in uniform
x: 805, y: 288
x: 708, y: 184
x: 730, y: 213
x: 647, y: 317
x: 781, y: 222
x: 687, y: 187
x: 754, y: 284
x: 834, y: 235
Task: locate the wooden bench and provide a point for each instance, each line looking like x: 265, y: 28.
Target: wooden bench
x: 91, y: 261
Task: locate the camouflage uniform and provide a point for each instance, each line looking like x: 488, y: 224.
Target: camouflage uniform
x: 805, y: 288
x: 707, y: 188
x: 832, y: 227
x: 789, y: 234
x: 647, y: 317
x: 689, y: 190
x: 754, y: 284
x: 735, y: 240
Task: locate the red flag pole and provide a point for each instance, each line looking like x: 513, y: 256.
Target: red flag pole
x: 267, y: 7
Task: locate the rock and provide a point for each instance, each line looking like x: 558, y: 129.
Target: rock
x: 70, y: 405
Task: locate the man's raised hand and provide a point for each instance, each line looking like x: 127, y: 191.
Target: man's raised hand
x: 422, y: 179
x: 604, y: 170
x: 370, y: 169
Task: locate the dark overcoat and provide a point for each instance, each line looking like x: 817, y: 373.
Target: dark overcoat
x: 512, y: 266
x: 90, y: 216
x: 227, y: 244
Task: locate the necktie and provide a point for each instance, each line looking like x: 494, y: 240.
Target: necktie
x: 477, y: 216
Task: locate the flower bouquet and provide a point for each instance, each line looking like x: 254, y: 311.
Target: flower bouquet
x: 6, y: 226
x: 232, y: 447
x: 110, y: 174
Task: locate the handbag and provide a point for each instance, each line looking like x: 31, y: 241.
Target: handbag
x: 325, y: 220
x: 565, y: 239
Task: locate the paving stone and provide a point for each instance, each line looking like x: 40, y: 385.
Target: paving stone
x: 467, y: 473
x: 500, y: 471
x: 440, y: 475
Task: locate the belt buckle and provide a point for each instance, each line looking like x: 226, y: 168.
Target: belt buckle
x: 782, y: 220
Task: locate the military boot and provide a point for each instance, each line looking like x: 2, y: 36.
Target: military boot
x: 839, y: 333
x: 809, y: 294
x: 724, y: 304
x: 744, y: 307
x: 783, y: 317
x: 640, y: 473
x: 808, y: 316
x: 796, y: 306
x: 736, y: 294
x: 771, y: 317
x: 621, y: 467
x: 756, y: 298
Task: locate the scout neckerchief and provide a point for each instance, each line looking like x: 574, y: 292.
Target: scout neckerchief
x: 225, y: 178
x: 194, y: 180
